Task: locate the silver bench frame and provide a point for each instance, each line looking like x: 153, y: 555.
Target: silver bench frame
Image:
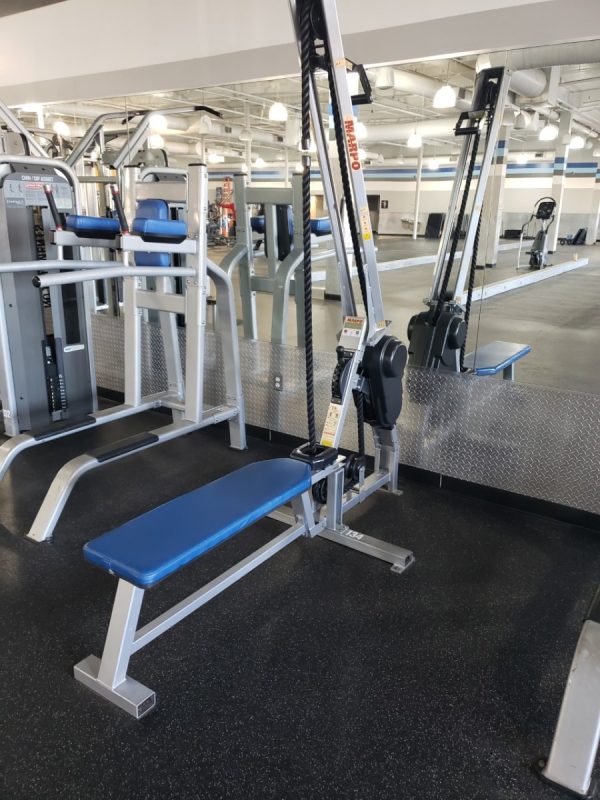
x: 577, y: 735
x: 107, y: 676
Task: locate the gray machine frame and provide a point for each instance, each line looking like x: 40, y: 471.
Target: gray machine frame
x: 281, y: 276
x: 13, y: 365
x: 477, y: 200
x: 185, y: 402
x: 108, y: 676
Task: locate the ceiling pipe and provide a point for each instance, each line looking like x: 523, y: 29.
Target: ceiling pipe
x: 405, y: 81
x: 73, y: 110
x: 552, y: 55
x: 394, y: 131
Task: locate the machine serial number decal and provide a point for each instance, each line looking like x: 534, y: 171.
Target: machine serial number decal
x: 352, y: 143
x: 332, y: 421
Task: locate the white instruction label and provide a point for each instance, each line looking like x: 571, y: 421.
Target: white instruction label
x: 332, y: 422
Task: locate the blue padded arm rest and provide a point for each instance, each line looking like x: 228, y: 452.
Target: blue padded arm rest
x: 494, y: 357
x: 162, y: 229
x: 156, y: 544
x: 321, y: 226
x: 106, y: 227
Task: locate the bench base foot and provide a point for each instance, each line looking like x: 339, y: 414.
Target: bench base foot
x: 398, y: 557
x: 539, y: 767
x: 130, y: 695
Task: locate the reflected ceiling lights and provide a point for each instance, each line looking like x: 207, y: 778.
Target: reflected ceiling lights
x: 61, y: 128
x: 577, y: 142
x: 158, y: 123
x: 548, y: 133
x: 445, y: 97
x: 278, y: 112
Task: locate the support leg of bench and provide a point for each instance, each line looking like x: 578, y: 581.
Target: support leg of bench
x: 577, y: 734
x: 508, y: 373
x: 108, y: 676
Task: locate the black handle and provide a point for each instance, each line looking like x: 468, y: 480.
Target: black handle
x: 58, y: 223
x: 208, y: 110
x: 116, y: 196
x: 366, y: 96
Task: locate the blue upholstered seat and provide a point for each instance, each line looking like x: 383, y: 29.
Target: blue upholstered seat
x: 495, y: 357
x: 151, y: 547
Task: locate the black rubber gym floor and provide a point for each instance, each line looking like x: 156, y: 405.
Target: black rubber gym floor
x: 320, y: 675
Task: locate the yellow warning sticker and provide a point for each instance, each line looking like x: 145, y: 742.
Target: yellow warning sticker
x: 332, y: 421
x: 365, y: 222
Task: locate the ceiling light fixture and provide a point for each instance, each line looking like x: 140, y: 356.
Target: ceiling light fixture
x: 156, y: 141
x: 577, y: 142
x: 445, y: 97
x: 215, y: 158
x: 158, y: 123
x: 414, y: 141
x: 245, y: 135
x: 278, y: 112
x: 259, y: 162
x: 522, y: 158
x: 548, y: 133
x: 433, y: 163
x: 61, y: 128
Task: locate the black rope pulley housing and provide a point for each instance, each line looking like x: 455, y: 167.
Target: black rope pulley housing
x: 382, y: 370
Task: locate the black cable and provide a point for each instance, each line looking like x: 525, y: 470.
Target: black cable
x: 306, y: 44
x: 470, y: 293
x: 348, y: 198
x: 456, y: 233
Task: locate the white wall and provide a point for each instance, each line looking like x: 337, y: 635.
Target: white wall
x: 83, y: 49
x: 519, y: 198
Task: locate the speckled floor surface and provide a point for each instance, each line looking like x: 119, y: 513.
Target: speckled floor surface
x: 321, y: 675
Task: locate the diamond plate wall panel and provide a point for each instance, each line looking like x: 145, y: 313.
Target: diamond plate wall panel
x: 530, y: 440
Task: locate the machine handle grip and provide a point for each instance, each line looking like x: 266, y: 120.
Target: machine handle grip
x: 116, y: 196
x: 56, y: 216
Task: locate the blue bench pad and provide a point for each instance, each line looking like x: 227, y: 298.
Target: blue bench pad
x: 85, y: 226
x: 494, y: 357
x: 151, y: 547
x: 159, y: 228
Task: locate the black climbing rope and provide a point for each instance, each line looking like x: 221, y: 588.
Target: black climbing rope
x: 306, y: 47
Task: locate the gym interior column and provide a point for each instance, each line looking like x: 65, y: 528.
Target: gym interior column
x: 415, y: 232
x: 493, y: 204
x: 558, y: 176
x: 249, y: 142
x: 594, y: 218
